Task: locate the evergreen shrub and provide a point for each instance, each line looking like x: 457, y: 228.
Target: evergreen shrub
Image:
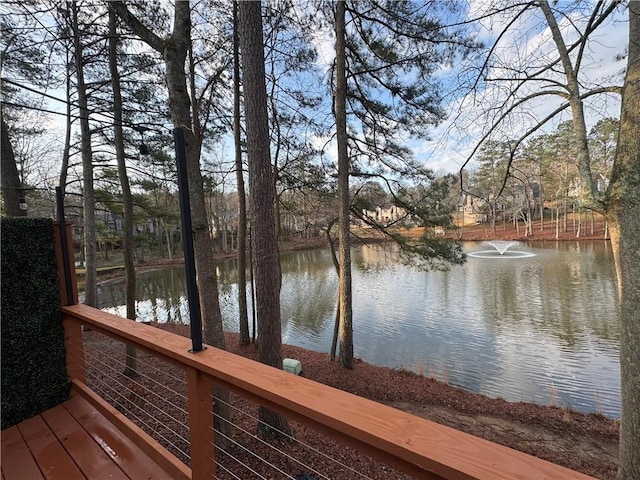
x: 34, y: 376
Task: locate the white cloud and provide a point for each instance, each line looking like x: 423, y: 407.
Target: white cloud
x: 526, y: 45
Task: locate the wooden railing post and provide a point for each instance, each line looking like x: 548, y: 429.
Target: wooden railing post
x: 200, y: 402
x: 70, y: 264
x: 74, y: 346
x: 72, y: 329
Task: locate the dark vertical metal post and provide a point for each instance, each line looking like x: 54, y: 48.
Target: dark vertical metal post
x: 62, y: 223
x: 187, y: 242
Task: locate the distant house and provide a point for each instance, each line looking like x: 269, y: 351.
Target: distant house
x: 472, y: 209
x: 386, y: 214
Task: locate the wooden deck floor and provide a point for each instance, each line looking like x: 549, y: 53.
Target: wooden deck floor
x: 73, y: 441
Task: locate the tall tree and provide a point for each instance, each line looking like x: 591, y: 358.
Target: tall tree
x: 11, y: 184
x: 242, y: 203
x: 294, y: 92
x: 492, y: 160
x: 264, y: 236
x: 385, y: 92
x: 620, y: 203
x: 345, y: 300
x: 174, y: 49
x: 88, y: 193
x: 568, y: 92
x: 623, y: 212
x: 127, y: 199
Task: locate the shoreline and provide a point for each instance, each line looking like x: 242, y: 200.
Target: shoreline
x: 473, y: 233
x: 583, y: 442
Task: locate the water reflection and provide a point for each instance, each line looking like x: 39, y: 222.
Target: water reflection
x: 540, y: 329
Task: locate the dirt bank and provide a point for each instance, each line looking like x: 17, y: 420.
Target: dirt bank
x: 586, y: 443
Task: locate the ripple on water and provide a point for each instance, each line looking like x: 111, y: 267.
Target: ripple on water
x: 540, y: 329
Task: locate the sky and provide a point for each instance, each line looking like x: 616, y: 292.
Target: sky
x: 527, y: 43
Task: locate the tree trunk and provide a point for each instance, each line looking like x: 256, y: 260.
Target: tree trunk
x: 587, y: 189
x: 174, y: 51
x: 344, y: 201
x: 174, y: 54
x: 336, y: 265
x: 11, y: 183
x: 127, y: 199
x: 168, y: 238
x: 66, y: 151
x: 264, y: 235
x: 624, y: 226
x: 252, y: 288
x: 242, y: 204
x: 541, y: 207
x: 90, y: 253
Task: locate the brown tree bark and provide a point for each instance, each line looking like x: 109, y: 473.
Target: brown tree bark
x: 11, y: 183
x: 573, y: 89
x: 263, y: 220
x: 174, y: 51
x: 127, y: 199
x: 66, y: 150
x: 88, y: 194
x: 344, y: 249
x: 242, y: 204
x: 624, y: 225
x: 336, y: 320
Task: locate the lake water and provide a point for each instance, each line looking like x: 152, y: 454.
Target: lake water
x: 540, y: 329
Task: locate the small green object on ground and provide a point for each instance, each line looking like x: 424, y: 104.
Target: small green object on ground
x: 292, y: 366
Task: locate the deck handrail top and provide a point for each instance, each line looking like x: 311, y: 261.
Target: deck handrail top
x: 436, y: 448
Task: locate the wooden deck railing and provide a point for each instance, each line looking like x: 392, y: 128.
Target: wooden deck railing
x: 419, y: 447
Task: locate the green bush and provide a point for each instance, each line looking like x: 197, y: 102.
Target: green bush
x: 34, y: 376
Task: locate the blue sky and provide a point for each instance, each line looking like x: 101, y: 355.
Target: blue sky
x: 528, y: 43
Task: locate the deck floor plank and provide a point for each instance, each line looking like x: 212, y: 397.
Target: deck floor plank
x: 88, y: 455
x: 17, y: 461
x: 128, y: 456
x: 54, y: 462
x: 73, y: 441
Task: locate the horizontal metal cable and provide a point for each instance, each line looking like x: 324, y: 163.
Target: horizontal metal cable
x: 139, y: 373
x: 96, y: 378
x: 274, y: 448
x: 146, y: 363
x: 292, y: 438
x: 128, y: 411
x: 239, y: 462
x: 226, y: 470
x: 253, y: 454
x: 140, y: 397
x: 152, y: 367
